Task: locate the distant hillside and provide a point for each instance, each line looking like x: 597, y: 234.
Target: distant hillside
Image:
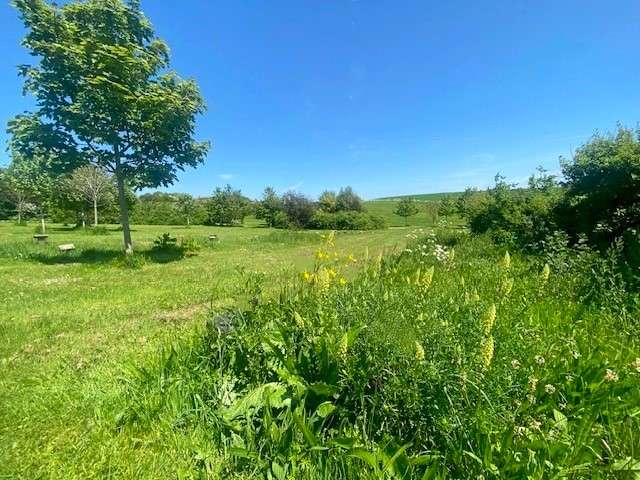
x: 420, y: 197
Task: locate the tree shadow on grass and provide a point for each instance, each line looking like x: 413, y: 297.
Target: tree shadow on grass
x: 89, y: 256
x: 94, y: 256
x: 164, y: 255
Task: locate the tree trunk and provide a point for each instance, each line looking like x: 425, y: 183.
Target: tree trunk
x: 188, y: 223
x: 19, y: 215
x: 44, y: 228
x: 95, y: 212
x: 124, y: 212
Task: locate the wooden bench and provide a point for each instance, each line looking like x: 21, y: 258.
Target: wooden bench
x: 66, y: 248
x: 213, y: 238
x: 40, y: 238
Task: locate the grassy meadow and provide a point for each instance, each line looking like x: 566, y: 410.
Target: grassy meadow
x: 72, y: 324
x: 403, y: 353
x: 426, y: 217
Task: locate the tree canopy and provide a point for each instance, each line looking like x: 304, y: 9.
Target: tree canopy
x: 406, y: 208
x: 104, y: 96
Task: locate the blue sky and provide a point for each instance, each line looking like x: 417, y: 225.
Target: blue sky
x: 388, y: 96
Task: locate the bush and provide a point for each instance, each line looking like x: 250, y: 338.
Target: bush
x: 298, y: 208
x: 514, y: 217
x: 99, y: 230
x: 603, y: 187
x: 165, y: 242
x: 346, y: 221
x: 280, y: 220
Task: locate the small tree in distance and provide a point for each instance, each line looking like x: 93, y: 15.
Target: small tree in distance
x: 93, y: 186
x: 327, y: 202
x: 31, y: 185
x: 186, y: 206
x: 227, y: 206
x: 406, y: 208
x: 269, y: 207
x: 348, y: 201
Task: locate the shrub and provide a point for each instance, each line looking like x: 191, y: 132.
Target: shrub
x: 165, y: 242
x: 99, y: 230
x: 603, y: 187
x: 281, y: 220
x: 298, y: 208
x: 346, y: 221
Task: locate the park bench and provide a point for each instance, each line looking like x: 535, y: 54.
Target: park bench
x: 213, y: 238
x: 40, y: 238
x: 66, y: 248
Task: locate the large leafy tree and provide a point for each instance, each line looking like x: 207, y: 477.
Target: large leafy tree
x: 105, y: 97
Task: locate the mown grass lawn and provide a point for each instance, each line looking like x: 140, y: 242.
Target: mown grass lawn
x: 71, y: 325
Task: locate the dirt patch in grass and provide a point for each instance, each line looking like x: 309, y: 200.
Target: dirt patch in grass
x: 181, y: 314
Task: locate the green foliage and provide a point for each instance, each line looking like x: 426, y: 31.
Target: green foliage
x: 406, y: 208
x: 31, y: 185
x: 599, y: 198
x: 485, y: 360
x: 7, y: 196
x: 514, y: 217
x: 348, y: 201
x: 349, y: 220
x: 269, y: 209
x: 165, y: 241
x: 105, y: 96
x: 603, y: 186
x: 327, y: 202
x: 299, y: 209
x: 186, y: 206
x: 227, y: 207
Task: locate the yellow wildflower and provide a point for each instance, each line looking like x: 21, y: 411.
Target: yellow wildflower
x: 486, y: 351
x: 343, y: 347
x: 298, y: 318
x: 322, y: 278
x: 419, y: 352
x: 489, y: 319
x: 506, y: 260
x: 342, y: 281
x: 427, y: 277
x: 507, y: 286
x: 546, y: 272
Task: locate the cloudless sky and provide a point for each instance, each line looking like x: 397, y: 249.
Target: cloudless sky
x: 389, y: 96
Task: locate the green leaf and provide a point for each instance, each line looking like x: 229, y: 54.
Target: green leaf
x: 325, y: 409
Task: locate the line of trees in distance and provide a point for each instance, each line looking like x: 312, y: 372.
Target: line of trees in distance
x: 88, y: 195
